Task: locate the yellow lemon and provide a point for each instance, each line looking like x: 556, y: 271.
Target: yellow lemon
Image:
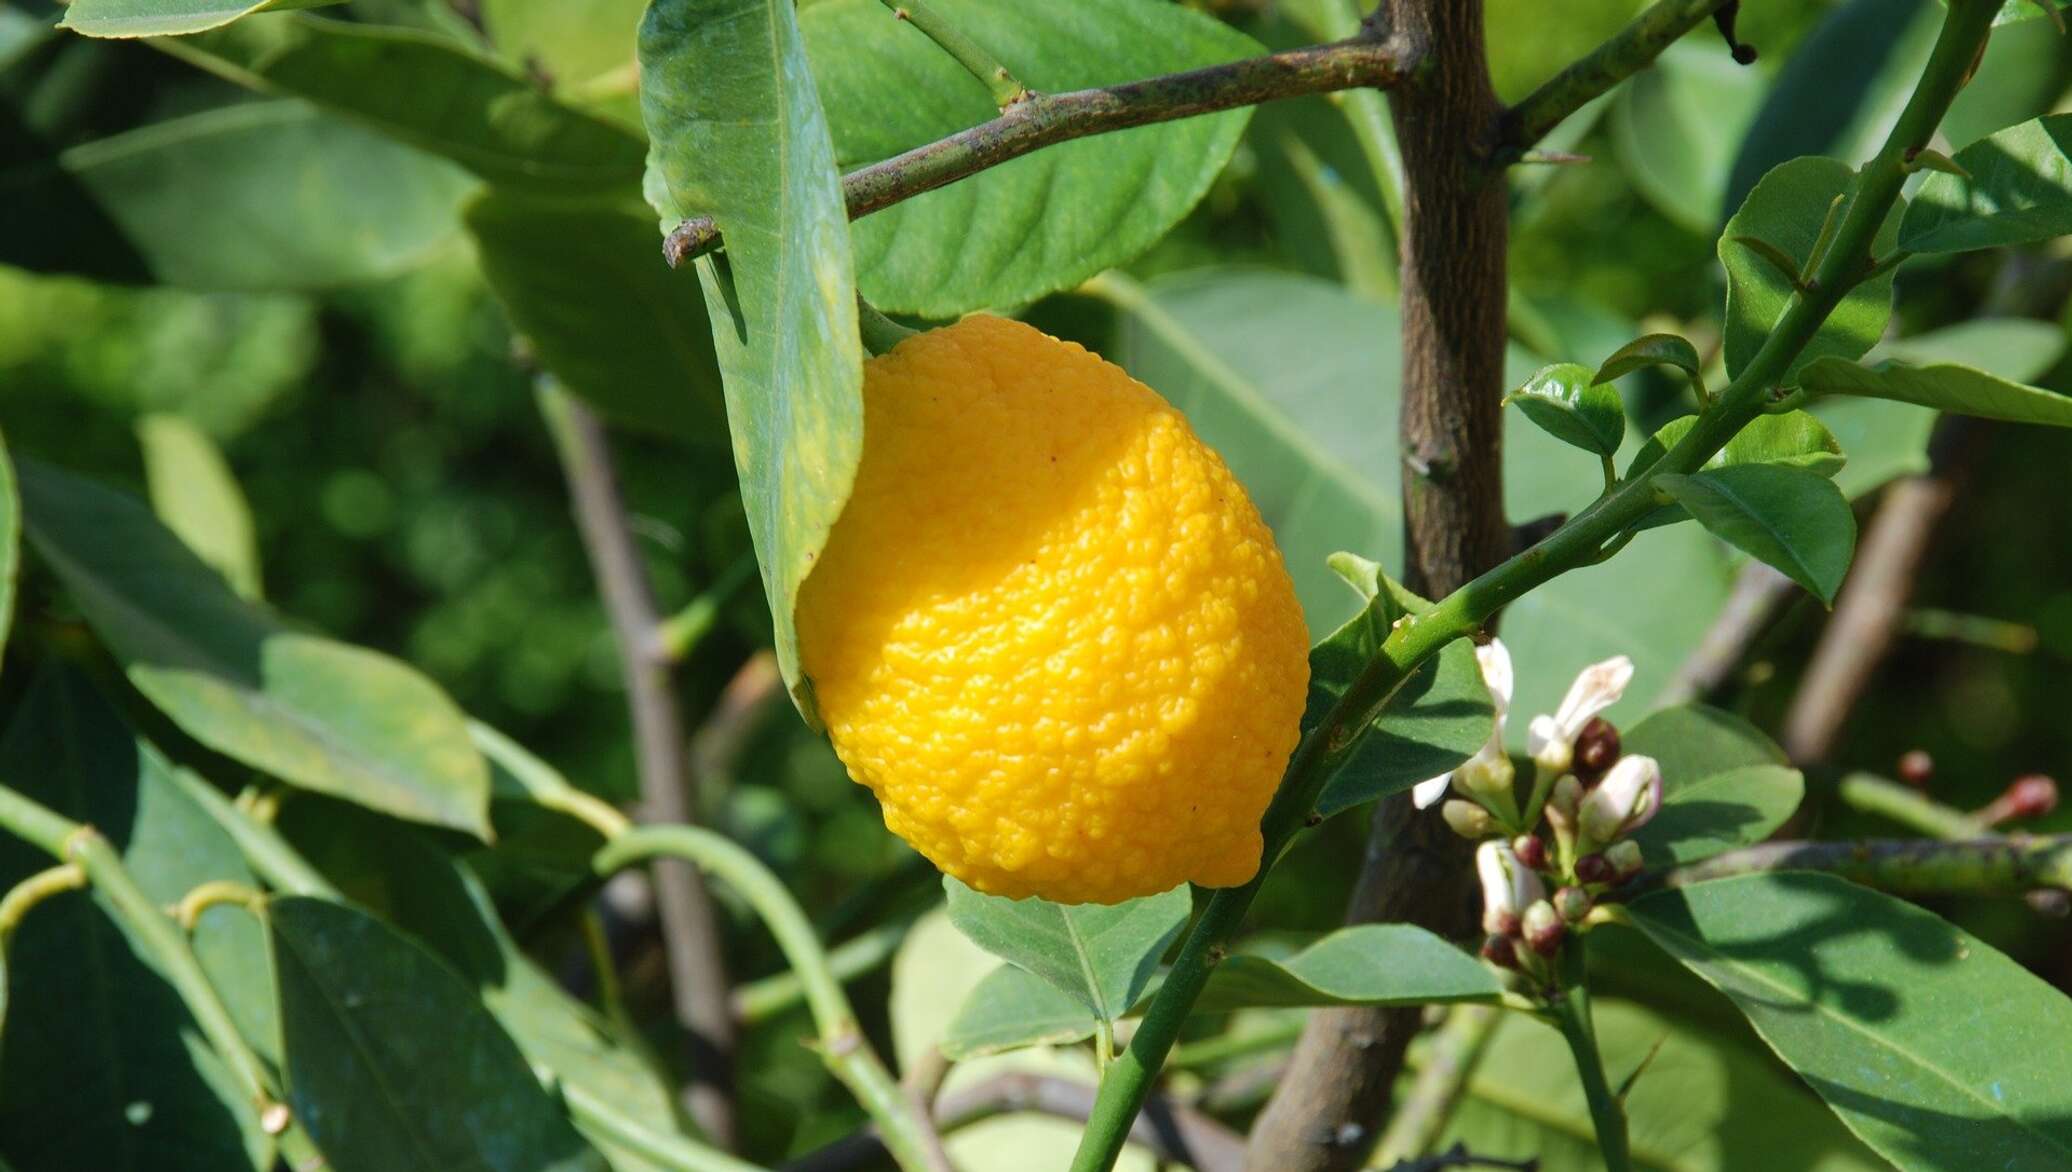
x: 1049, y: 630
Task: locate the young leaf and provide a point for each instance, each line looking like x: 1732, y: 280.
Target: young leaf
x: 1567, y: 404
x: 1959, y: 390
x: 1013, y: 1009
x: 1936, y: 1049
x: 1791, y: 518
x: 1718, y: 811
x: 165, y: 18
x: 1786, y: 211
x: 312, y: 712
x: 2019, y: 191
x: 431, y: 93
x: 391, y: 1062
x: 585, y: 284
x: 194, y: 493
x: 93, y: 1030
x: 715, y: 76
x: 1370, y: 964
x: 1650, y: 350
x: 1102, y: 956
x: 1041, y: 223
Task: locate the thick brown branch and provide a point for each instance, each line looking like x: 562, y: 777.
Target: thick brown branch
x: 1041, y: 120
x: 1901, y: 866
x: 1631, y: 50
x: 690, y: 930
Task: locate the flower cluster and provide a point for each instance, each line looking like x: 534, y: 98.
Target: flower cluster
x: 1589, y: 794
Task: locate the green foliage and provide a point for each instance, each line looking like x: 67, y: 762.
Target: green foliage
x: 1370, y: 964
x: 1102, y: 956
x: 1959, y: 390
x: 2016, y: 188
x: 1573, y: 405
x: 1652, y: 350
x: 1936, y: 1049
x: 1013, y: 1008
x: 1724, y: 784
x: 1677, y: 127
x: 315, y: 713
x: 1791, y: 518
x: 155, y: 18
x: 194, y: 494
x: 716, y: 74
x: 1041, y: 223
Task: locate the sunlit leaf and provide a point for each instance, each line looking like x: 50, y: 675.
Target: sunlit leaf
x: 1011, y: 1009
x: 1793, y: 519
x: 1959, y: 390
x: 2018, y: 191
x: 155, y: 18
x: 1370, y: 964
x: 1100, y: 955
x: 194, y: 493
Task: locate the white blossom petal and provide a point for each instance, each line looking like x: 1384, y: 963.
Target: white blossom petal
x: 1626, y: 798
x: 1495, y: 660
x: 1597, y: 688
x: 1425, y: 793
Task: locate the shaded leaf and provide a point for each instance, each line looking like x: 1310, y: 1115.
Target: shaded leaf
x: 573, y: 41
x: 1011, y: 1009
x: 393, y: 1065
x: 425, y: 90
x: 155, y: 18
x: 10, y: 546
x: 311, y: 711
x: 1789, y: 517
x: 1936, y: 1049
x: 1796, y: 439
x: 1702, y: 816
x: 1043, y: 222
x: 99, y: 1071
x: 1370, y: 964
x: 1651, y: 350
x: 194, y: 493
x: 586, y: 286
x: 1693, y: 741
x: 1786, y: 211
x: 2019, y: 191
x: 1571, y: 404
x: 1677, y: 125
x: 1102, y: 956
x: 1959, y: 390
x: 716, y: 75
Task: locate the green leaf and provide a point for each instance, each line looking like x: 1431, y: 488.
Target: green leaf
x: 1012, y: 1009
x: 1959, y: 390
x: 585, y: 285
x: 1693, y: 741
x: 425, y: 90
x: 1370, y: 964
x: 1786, y: 210
x: 165, y: 18
x: 1571, y: 404
x: 186, y: 201
x: 100, y: 1071
x: 391, y: 1062
x: 313, y: 712
x: 1676, y: 127
x: 1936, y: 1049
x: 1650, y: 350
x: 1703, y: 816
x: 1438, y: 718
x: 1102, y: 956
x: 1049, y: 220
x: 1707, y: 1103
x: 1795, y: 438
x: 1789, y: 517
x: 10, y: 548
x: 194, y: 493
x: 2016, y: 348
x: 573, y: 41
x: 2019, y: 192
x: 715, y: 76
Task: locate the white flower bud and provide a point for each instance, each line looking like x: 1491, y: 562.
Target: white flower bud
x: 1476, y: 774
x: 1624, y: 801
x: 1552, y: 739
x: 1467, y: 819
x: 1508, y: 888
x: 1543, y: 928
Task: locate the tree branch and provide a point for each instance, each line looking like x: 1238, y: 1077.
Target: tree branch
x: 1041, y: 120
x: 1631, y: 50
x: 1901, y: 866
x: 690, y: 930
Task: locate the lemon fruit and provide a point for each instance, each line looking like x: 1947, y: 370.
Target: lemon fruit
x: 1049, y: 630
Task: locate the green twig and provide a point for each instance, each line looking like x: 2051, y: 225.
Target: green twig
x: 1571, y: 1008
x: 1225, y: 1047
x: 1889, y: 799
x: 1441, y: 1077
x: 682, y: 632
x: 880, y: 333
x: 276, y: 863
x: 1629, y: 51
x: 544, y: 785
x: 1575, y: 544
x: 759, y: 1001
x: 1998, y: 866
x: 970, y: 54
x: 600, y: 1118
x: 843, y: 1047
x: 215, y: 893
x: 1976, y: 629
x: 24, y: 896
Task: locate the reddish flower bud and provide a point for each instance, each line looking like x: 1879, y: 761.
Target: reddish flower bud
x: 1597, y: 749
x: 1916, y: 767
x: 2030, y: 796
x: 1501, y: 951
x: 1595, y: 869
x: 1544, y: 928
x: 1573, y: 903
x: 1530, y: 851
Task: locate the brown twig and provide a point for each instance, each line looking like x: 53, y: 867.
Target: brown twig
x: 1041, y: 120
x: 1998, y: 866
x: 1631, y: 50
x: 690, y: 930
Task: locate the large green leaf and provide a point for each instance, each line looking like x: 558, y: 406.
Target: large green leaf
x: 311, y: 711
x: 1692, y: 741
x: 194, y: 493
x: 716, y: 76
x: 1959, y: 390
x: 1702, y: 816
x: 391, y: 1062
x: 155, y: 18
x: 1437, y: 720
x: 1792, y: 518
x: 1370, y: 964
x: 1043, y: 222
x: 1786, y: 210
x: 1676, y: 127
x: 2018, y: 191
x: 100, y: 1071
x: 586, y: 285
x: 1012, y: 1009
x: 254, y: 197
x: 423, y: 89
x: 1936, y: 1049
x: 1706, y: 1102
x: 1101, y: 955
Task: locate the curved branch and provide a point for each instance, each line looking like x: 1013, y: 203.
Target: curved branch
x: 1901, y: 866
x: 1041, y: 120
x: 1631, y: 50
